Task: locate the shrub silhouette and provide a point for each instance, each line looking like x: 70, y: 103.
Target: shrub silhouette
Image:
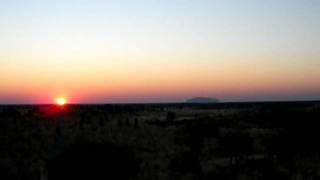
x: 236, y: 146
x: 136, y: 123
x: 86, y: 160
x: 171, y: 116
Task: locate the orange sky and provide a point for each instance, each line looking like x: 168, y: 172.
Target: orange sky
x: 120, y: 51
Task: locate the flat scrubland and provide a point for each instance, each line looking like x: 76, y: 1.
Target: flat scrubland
x: 161, y: 141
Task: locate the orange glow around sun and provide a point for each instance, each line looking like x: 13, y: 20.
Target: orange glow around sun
x: 61, y: 101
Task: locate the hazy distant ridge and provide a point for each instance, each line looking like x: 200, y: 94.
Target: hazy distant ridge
x: 202, y: 100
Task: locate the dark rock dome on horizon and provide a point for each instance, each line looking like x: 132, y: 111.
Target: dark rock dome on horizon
x: 202, y: 100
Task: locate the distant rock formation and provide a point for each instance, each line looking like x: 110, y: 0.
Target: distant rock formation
x: 202, y: 100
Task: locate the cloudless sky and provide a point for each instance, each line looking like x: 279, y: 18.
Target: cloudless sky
x: 159, y: 50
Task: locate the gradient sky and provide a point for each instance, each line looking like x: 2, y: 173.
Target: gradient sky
x: 159, y: 50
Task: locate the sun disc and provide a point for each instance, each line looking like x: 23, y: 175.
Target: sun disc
x: 61, y: 101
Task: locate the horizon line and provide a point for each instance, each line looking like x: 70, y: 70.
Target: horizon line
x: 151, y: 103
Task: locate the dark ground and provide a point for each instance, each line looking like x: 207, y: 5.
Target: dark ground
x: 251, y: 141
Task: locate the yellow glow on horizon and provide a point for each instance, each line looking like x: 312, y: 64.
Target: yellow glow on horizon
x: 61, y: 101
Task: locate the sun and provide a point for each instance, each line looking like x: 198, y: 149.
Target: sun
x: 61, y: 101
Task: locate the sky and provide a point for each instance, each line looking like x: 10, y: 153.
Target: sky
x: 119, y: 51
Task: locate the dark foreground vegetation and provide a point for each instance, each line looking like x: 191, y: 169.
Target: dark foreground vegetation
x: 245, y: 141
